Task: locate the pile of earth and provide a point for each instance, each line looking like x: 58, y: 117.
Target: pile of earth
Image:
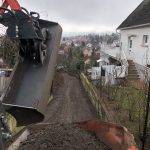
x: 62, y: 137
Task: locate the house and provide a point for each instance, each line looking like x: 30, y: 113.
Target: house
x: 96, y: 73
x: 106, y: 73
x: 132, y: 58
x: 135, y: 36
x: 110, y: 70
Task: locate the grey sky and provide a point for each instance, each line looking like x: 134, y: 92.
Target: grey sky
x: 84, y: 15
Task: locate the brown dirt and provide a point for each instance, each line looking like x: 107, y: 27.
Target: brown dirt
x: 62, y: 137
x: 69, y: 105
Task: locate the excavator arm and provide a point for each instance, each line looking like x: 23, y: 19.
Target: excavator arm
x: 14, y: 5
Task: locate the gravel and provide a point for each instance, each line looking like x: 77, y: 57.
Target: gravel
x: 62, y: 137
x: 70, y: 105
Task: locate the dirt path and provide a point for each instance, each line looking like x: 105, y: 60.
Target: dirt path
x: 70, y: 103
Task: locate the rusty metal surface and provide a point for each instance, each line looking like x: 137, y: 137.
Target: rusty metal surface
x: 30, y: 85
x: 116, y: 137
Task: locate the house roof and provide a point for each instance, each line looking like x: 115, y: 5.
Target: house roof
x: 140, y: 16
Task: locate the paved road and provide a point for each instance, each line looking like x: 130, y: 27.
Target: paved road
x: 70, y: 103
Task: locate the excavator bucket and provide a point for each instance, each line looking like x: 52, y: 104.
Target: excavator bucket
x: 28, y: 91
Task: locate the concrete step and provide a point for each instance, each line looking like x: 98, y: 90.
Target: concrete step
x: 132, y: 66
x: 133, y: 75
x: 130, y: 61
x: 133, y: 78
x: 132, y: 71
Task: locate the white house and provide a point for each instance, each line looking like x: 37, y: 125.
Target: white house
x: 109, y: 70
x: 134, y: 45
x: 135, y: 35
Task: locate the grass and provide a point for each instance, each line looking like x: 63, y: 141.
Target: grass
x: 128, y: 104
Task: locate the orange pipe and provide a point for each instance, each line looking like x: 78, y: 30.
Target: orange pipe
x: 114, y: 136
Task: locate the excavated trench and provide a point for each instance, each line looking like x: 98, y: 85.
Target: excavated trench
x: 59, y: 130
x: 71, y: 123
x: 70, y: 103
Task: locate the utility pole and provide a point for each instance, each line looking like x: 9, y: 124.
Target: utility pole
x: 146, y: 120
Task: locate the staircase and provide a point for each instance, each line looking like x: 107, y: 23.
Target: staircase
x: 132, y: 71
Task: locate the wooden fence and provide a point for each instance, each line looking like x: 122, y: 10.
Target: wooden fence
x: 96, y: 100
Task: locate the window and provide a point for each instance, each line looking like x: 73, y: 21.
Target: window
x: 130, y: 42
x: 103, y: 72
x: 145, y: 39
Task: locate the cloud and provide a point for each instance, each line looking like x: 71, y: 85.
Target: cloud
x: 84, y: 15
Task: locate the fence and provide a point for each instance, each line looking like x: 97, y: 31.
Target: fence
x: 95, y: 99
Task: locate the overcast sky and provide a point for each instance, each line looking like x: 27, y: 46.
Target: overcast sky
x: 84, y: 15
